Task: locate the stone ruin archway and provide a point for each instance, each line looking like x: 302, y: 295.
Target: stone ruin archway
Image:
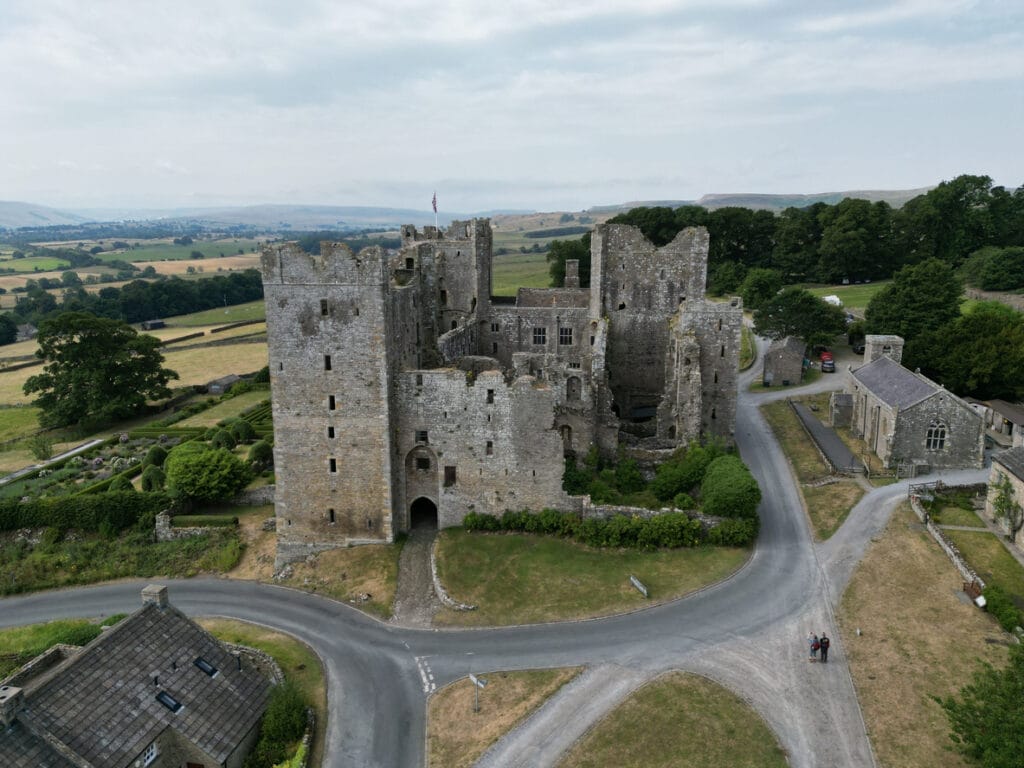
x: 423, y: 514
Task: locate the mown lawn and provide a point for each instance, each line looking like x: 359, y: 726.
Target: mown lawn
x: 457, y: 736
x: 18, y: 422
x: 523, y: 579
x: 228, y: 409
x: 989, y: 558
x: 854, y: 297
x: 679, y: 721
x: 519, y: 270
x: 253, y: 310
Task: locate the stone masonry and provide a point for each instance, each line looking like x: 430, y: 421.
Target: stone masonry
x: 401, y: 388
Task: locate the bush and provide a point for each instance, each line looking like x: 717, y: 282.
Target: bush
x: 241, y: 430
x: 261, y: 454
x: 729, y: 490
x: 734, y: 533
x: 627, y: 477
x: 223, y: 439
x: 85, y: 512
x: 284, y: 722
x: 685, y: 470
x: 999, y: 604
x: 153, y: 479
x: 196, y: 472
x: 262, y: 375
x: 121, y: 483
x: 155, y: 456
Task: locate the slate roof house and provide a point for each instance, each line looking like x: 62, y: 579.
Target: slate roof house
x: 784, y: 362
x: 154, y: 691
x: 906, y: 418
x: 1009, y: 466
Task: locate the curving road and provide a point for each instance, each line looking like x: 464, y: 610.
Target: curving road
x: 747, y: 633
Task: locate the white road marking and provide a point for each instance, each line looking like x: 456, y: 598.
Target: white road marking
x: 426, y: 676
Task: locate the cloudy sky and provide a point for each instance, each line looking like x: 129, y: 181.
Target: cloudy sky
x: 538, y: 104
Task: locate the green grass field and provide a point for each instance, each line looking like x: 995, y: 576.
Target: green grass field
x: 161, y: 250
x: 226, y: 410
x: 254, y: 310
x: 854, y: 297
x: 34, y: 264
x: 18, y: 422
x: 989, y: 558
x: 519, y: 270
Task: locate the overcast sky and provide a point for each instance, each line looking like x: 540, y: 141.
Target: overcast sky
x: 538, y: 104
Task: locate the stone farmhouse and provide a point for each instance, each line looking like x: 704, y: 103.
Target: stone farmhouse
x: 784, y: 362
x: 906, y: 418
x: 1008, y: 467
x: 403, y: 389
x: 155, y: 690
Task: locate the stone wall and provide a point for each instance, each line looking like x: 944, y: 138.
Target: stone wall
x: 965, y: 434
x: 45, y: 661
x: 998, y: 473
x: 969, y: 575
x: 253, y: 497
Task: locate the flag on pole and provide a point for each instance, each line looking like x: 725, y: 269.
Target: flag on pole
x: 434, y: 201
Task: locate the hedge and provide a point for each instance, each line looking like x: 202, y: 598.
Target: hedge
x: 672, y: 529
x: 729, y: 490
x: 91, y: 512
x: 999, y: 604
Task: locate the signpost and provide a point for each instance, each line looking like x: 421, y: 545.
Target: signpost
x: 478, y: 683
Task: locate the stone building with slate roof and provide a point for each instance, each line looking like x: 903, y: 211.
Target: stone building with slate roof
x: 1007, y: 466
x: 784, y: 362
x: 154, y: 691
x: 906, y: 418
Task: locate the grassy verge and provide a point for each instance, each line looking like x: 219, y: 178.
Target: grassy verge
x: 19, y: 645
x: 951, y: 515
x: 679, y: 720
x: 350, y: 574
x: 522, y: 579
x: 253, y: 310
x: 297, y: 660
x: 747, y: 348
x: 987, y: 555
x: 457, y: 736
x: 18, y: 422
x: 90, y: 558
x: 228, y: 409
x: 919, y: 640
x: 854, y: 297
x: 829, y: 505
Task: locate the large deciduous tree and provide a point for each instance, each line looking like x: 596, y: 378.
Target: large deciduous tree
x: 97, y: 370
x: 921, y: 297
x: 561, y: 251
x: 798, y: 312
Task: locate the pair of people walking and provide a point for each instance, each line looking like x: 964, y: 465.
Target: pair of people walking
x: 819, y: 644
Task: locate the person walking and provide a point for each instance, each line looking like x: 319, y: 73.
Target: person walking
x: 824, y: 643
x: 812, y: 642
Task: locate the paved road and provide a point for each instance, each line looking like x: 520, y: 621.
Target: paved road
x: 747, y: 633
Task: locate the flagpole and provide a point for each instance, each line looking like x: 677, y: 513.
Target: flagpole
x: 434, y: 204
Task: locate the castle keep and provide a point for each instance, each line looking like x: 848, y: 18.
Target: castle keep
x: 402, y: 388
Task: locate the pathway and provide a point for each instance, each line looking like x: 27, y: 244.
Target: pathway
x: 415, y: 601
x: 836, y: 451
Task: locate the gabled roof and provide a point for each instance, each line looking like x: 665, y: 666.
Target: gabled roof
x: 893, y: 384
x: 1010, y: 411
x: 102, y: 703
x: 1013, y: 460
x: 790, y: 345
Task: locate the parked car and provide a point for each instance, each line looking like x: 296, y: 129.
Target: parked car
x: 828, y: 366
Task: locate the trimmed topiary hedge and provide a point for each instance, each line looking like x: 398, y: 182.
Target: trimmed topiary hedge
x: 114, y: 511
x: 672, y: 529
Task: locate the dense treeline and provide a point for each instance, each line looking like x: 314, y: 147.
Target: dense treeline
x: 310, y: 241
x: 141, y: 300
x: 853, y: 240
x: 133, y: 230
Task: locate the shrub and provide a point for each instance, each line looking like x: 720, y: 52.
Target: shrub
x: 685, y: 470
x: 262, y: 375
x: 40, y: 446
x: 684, y: 501
x: 196, y: 472
x: 999, y: 604
x: 734, y: 533
x: 241, y: 430
x: 153, y: 479
x: 223, y: 439
x: 155, y: 456
x: 729, y: 490
x: 284, y: 722
x: 261, y: 454
x: 627, y: 476
x: 121, y: 483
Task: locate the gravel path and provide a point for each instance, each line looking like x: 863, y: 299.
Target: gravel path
x: 415, y: 601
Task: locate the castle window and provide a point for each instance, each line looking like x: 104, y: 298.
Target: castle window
x: 540, y: 335
x: 719, y: 323
x: 716, y: 377
x: 455, y: 324
x: 449, y: 477
x: 419, y: 379
x: 494, y: 347
x: 150, y: 754
x: 444, y: 297
x: 591, y: 341
x: 573, y: 388
x: 333, y: 465
x: 490, y: 448
x: 422, y: 462
x: 324, y: 309
x: 722, y: 351
x: 356, y: 311
x: 622, y: 305
x: 327, y: 362
x: 330, y: 433
x: 495, y: 327
x: 490, y: 396
x: 331, y: 404
x: 935, y: 439
x: 713, y: 416
x: 421, y: 436
x: 410, y: 263
x: 330, y: 516
x: 565, y: 336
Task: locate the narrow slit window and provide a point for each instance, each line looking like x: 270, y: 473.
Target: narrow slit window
x: 327, y: 362
x: 324, y: 308
x: 449, y: 477
x: 490, y: 396
x: 331, y: 404
x: 334, y: 465
x: 330, y: 516
x: 490, y: 448
x: 330, y: 433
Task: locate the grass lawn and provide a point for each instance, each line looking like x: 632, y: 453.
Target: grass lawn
x: 854, y: 297
x: 159, y: 250
x: 828, y: 506
x: 347, y: 574
x: 228, y: 409
x: 747, y: 348
x: 677, y: 721
x: 952, y: 515
x: 253, y: 310
x: 198, y: 365
x: 919, y: 640
x: 11, y: 383
x: 797, y: 446
x: 522, y: 579
x: 90, y: 558
x: 457, y: 736
x: 296, y: 659
x: 35, y: 264
x: 18, y: 422
x: 987, y: 555
x: 19, y: 645
x: 519, y: 270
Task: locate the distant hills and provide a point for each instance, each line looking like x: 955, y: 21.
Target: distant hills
x: 315, y: 217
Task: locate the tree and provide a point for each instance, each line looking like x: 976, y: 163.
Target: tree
x: 995, y: 269
x: 987, y: 718
x: 561, y: 251
x: 759, y: 286
x: 97, y: 370
x: 798, y: 312
x: 261, y: 455
x: 8, y: 329
x: 197, y: 472
x: 729, y: 490
x: 1006, y: 507
x: 920, y: 297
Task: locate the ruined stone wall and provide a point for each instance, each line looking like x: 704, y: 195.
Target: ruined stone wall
x: 498, y: 438
x: 329, y: 326
x: 964, y: 441
x: 717, y: 327
x: 510, y: 329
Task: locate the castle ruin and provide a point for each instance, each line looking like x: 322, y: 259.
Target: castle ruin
x: 402, y: 388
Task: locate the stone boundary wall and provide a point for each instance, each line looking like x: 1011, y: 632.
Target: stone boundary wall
x: 164, y: 531
x: 439, y: 589
x: 45, y: 661
x: 262, y: 660
x: 605, y: 511
x: 947, y: 546
x: 254, y: 496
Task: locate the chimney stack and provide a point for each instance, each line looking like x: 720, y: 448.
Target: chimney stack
x: 155, y: 594
x: 572, y: 273
x: 11, y: 700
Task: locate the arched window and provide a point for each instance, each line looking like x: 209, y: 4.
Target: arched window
x: 935, y: 440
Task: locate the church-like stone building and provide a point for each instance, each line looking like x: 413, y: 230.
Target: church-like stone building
x: 403, y: 388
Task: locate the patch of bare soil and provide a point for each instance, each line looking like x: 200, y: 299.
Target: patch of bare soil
x: 258, y: 558
x: 919, y: 639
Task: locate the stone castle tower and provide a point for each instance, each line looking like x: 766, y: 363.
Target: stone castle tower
x: 401, y: 388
